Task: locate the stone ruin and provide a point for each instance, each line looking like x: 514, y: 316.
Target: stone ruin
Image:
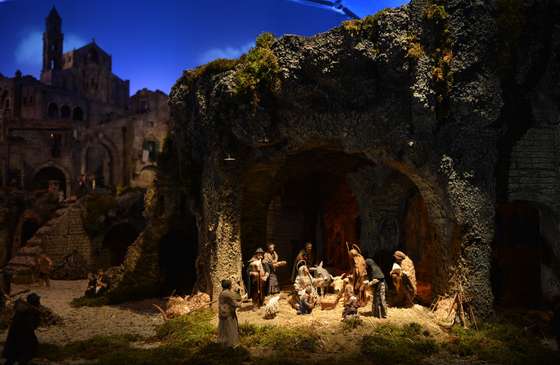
x: 401, y: 130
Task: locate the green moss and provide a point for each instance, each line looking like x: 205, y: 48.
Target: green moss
x: 366, y: 27
x: 265, y: 40
x: 501, y: 343
x: 257, y: 76
x: 415, y: 50
x: 399, y: 345
x: 351, y: 324
x: 441, y: 54
x: 189, y: 79
x: 96, y: 208
x: 88, y: 349
x: 194, y: 329
x: 280, y: 338
x: 436, y: 12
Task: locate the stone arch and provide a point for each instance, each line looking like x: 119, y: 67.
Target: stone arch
x: 342, y: 195
x: 52, y: 111
x: 112, y: 163
x: 65, y: 112
x: 525, y: 254
x: 55, y: 170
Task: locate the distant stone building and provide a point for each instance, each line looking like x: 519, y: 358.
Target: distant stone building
x: 77, y: 120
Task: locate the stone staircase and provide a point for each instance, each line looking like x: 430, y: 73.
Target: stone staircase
x: 61, y: 236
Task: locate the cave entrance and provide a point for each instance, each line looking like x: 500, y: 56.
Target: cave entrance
x: 177, y: 258
x: 50, y: 179
x: 417, y: 241
x: 517, y: 255
x: 308, y: 199
x: 116, y: 243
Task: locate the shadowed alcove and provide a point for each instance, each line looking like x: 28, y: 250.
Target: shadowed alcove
x: 329, y: 198
x: 116, y: 243
x: 177, y: 258
x: 524, y: 255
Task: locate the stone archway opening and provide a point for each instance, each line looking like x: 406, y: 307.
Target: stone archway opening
x: 311, y: 201
x: 523, y: 258
x: 116, y: 243
x: 330, y: 198
x: 417, y: 240
x: 50, y: 179
x: 99, y: 165
x: 178, y: 251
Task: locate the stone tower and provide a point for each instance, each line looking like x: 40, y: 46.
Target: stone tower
x: 52, y: 42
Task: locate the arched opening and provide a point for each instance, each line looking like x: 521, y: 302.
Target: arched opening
x: 52, y: 111
x: 65, y: 112
x: 78, y: 114
x: 99, y: 165
x: 330, y: 198
x: 417, y: 240
x: 311, y: 201
x: 50, y: 179
x: 524, y: 261
x: 28, y: 229
x: 177, y: 258
x: 116, y: 243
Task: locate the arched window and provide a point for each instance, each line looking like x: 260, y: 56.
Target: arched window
x: 78, y: 114
x: 53, y: 111
x: 65, y: 112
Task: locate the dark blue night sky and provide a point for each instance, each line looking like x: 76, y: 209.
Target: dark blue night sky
x: 152, y: 41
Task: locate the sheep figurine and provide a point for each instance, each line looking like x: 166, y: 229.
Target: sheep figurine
x: 272, y: 307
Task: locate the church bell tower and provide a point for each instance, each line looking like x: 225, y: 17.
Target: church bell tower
x: 52, y: 42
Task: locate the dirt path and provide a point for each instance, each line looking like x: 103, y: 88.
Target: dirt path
x: 86, y: 322
x: 141, y: 317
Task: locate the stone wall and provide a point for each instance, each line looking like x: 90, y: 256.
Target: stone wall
x: 65, y: 234
x: 535, y: 166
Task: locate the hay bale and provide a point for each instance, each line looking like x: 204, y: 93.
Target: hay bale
x: 178, y: 306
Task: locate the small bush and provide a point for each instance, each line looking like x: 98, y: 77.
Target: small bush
x: 366, y: 27
x: 257, y: 76
x: 436, y: 13
x: 415, y: 51
x: 265, y: 40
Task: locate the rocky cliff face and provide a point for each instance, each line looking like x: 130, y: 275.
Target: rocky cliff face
x: 425, y: 91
